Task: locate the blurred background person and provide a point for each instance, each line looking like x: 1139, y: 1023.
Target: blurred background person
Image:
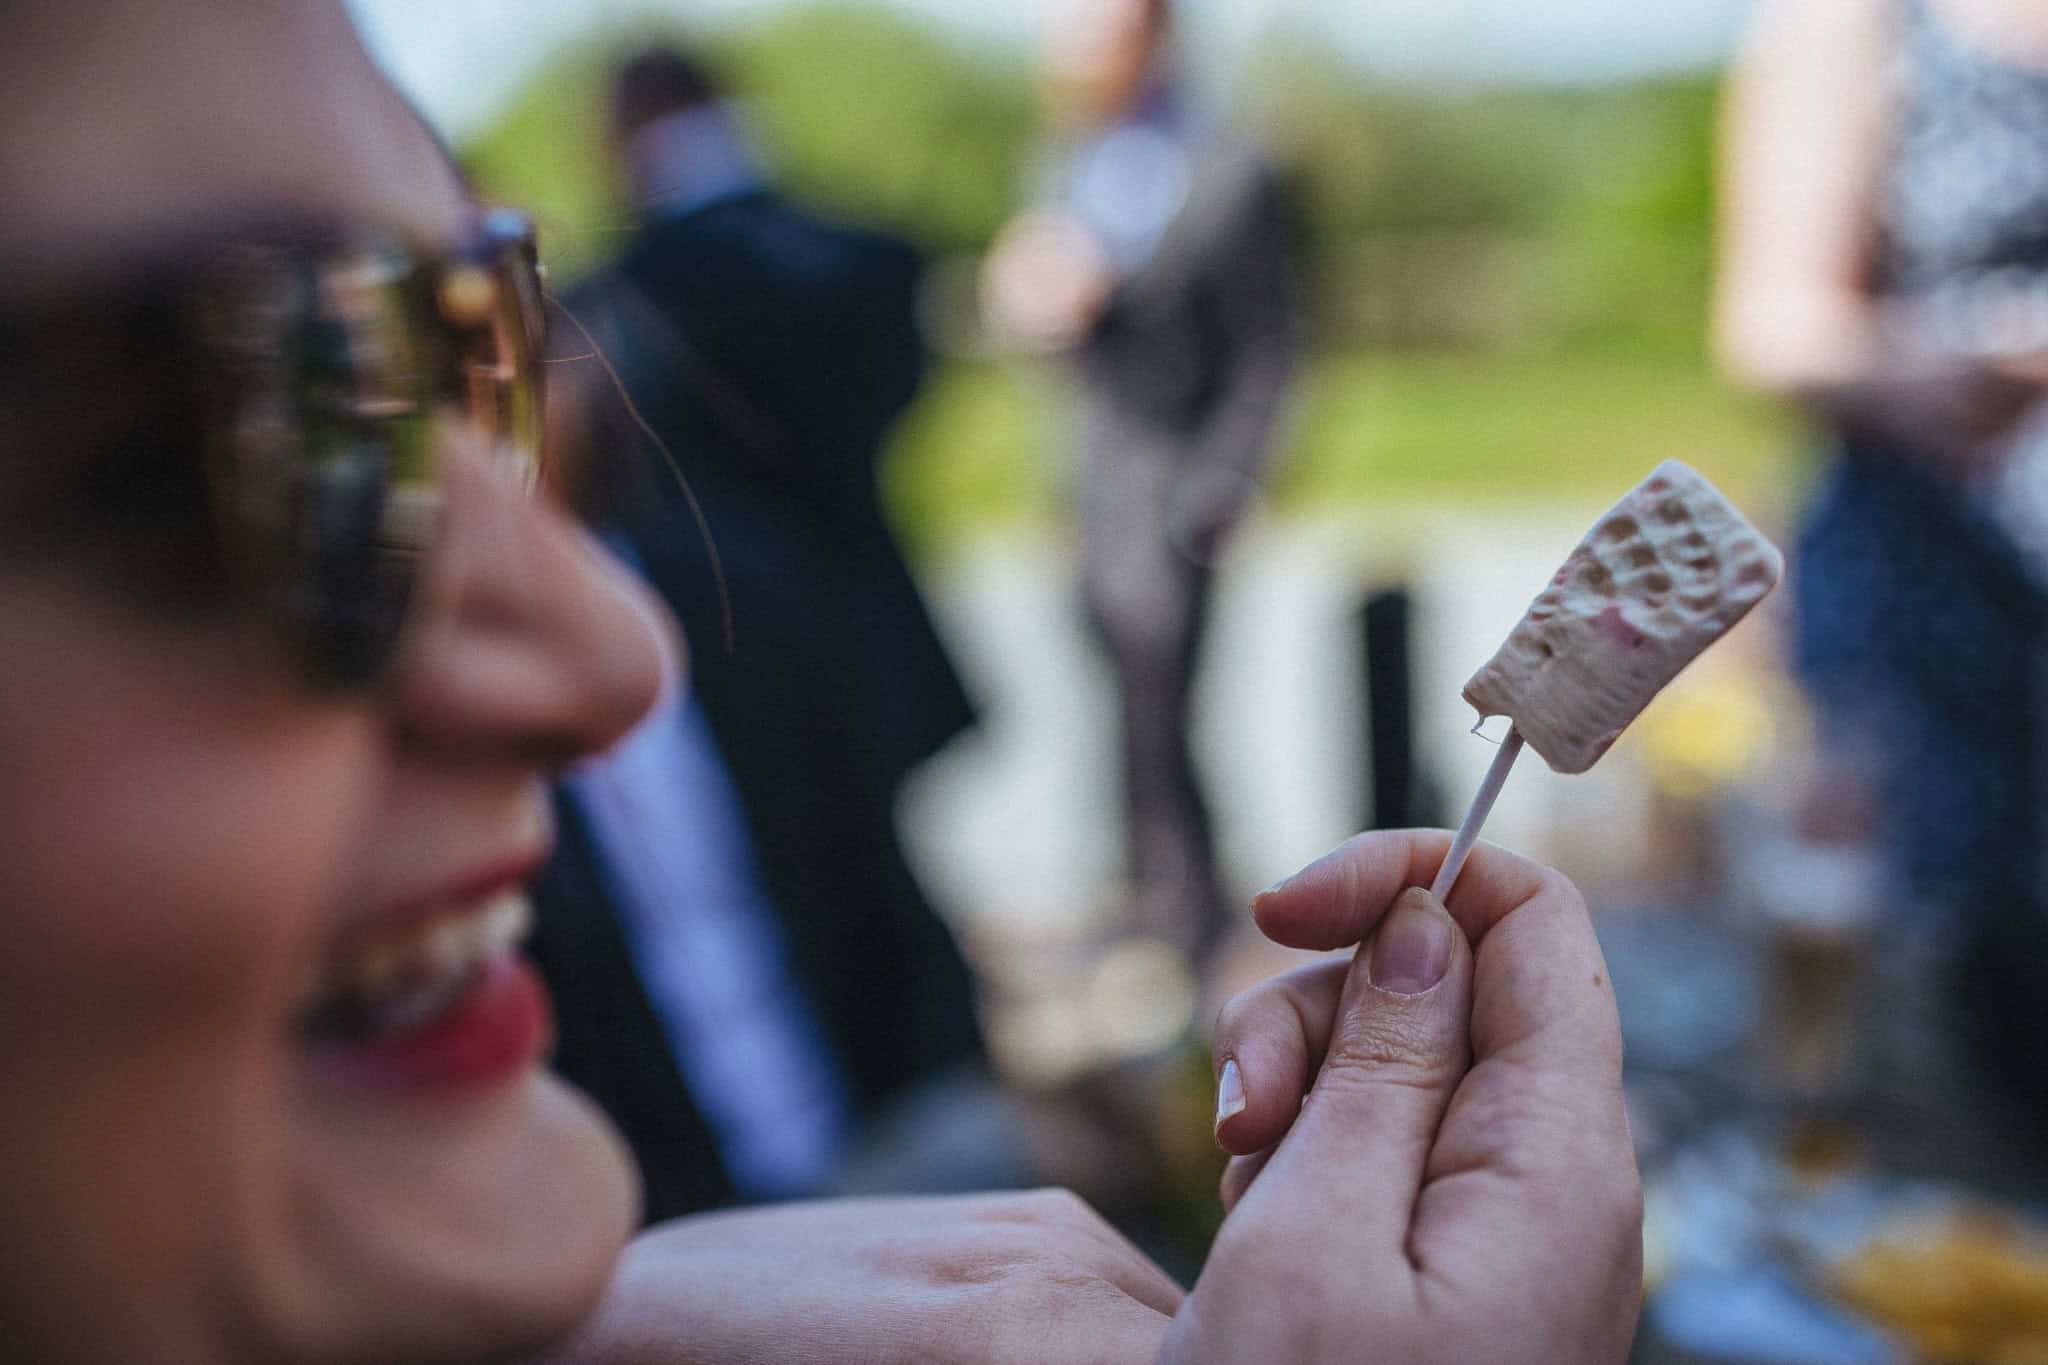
x: 749, y: 973
x: 1159, y: 257
x: 1884, y: 262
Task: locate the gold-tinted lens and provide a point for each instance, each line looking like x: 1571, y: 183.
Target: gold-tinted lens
x: 324, y: 468
x: 492, y: 298
x: 341, y: 355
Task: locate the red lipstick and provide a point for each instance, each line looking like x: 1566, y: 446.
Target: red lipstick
x: 501, y: 1025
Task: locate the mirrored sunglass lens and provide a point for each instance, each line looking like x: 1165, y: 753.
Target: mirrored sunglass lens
x: 368, y: 500
x: 493, y: 302
x: 345, y: 357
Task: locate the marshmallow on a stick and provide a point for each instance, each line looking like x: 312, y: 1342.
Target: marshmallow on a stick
x: 1659, y: 578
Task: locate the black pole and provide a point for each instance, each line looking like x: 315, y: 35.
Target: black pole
x: 1394, y: 799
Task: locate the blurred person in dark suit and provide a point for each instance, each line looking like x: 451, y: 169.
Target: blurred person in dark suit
x: 1159, y: 258
x: 746, y: 965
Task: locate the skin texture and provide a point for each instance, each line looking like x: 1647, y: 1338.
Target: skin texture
x: 1424, y: 1175
x: 1033, y: 1278
x: 184, y: 831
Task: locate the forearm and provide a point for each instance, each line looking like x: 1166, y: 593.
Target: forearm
x: 1027, y: 1276
x: 1804, y: 134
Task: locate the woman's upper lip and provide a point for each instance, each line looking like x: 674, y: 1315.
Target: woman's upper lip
x: 483, y: 880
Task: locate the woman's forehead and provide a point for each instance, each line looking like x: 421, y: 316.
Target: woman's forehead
x: 114, y: 137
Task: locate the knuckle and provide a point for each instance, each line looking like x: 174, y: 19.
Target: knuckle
x: 1270, y: 1014
x: 1552, y: 883
x: 1389, y: 1050
x: 1371, y: 1085
x: 970, y: 1266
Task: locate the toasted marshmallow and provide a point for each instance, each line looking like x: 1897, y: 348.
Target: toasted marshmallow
x: 1658, y: 579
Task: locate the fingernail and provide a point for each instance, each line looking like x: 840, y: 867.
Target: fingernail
x: 1229, y: 1092
x: 1412, y: 949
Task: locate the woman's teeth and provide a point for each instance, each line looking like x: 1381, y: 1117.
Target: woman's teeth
x: 397, y: 983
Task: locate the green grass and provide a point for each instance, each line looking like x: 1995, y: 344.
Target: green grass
x: 1499, y: 427
x: 979, y: 451
x: 982, y: 449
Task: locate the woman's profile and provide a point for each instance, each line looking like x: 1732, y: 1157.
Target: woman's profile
x: 293, y: 641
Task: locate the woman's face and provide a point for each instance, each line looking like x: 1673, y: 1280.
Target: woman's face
x: 272, y: 1077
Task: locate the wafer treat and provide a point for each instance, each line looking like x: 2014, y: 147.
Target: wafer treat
x: 1660, y: 577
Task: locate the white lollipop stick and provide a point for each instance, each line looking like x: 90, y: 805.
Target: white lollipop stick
x: 1482, y: 806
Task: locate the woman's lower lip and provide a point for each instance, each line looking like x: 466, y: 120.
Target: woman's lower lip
x: 499, y: 1028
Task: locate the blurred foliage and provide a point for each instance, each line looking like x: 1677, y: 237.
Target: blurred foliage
x: 1508, y: 285
x: 1370, y: 425
x: 1520, y: 426
x: 547, y: 154
x: 859, y: 110
x: 1498, y: 217
x: 873, y: 116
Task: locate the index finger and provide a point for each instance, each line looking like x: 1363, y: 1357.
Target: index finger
x: 1336, y: 900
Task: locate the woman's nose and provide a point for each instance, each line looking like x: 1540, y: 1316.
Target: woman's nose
x: 527, y: 639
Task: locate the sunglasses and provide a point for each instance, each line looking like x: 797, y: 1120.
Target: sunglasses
x: 264, y: 413
x: 337, y: 363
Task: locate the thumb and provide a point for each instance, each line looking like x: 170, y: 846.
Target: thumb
x: 1399, y: 1046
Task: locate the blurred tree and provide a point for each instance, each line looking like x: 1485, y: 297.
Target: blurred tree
x: 1500, y: 274
x: 546, y: 154
x: 872, y: 114
x: 858, y: 109
x: 1519, y: 218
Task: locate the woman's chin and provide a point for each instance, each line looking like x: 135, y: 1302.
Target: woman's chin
x: 602, y: 1203
x: 566, y: 1203
x: 456, y: 1232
